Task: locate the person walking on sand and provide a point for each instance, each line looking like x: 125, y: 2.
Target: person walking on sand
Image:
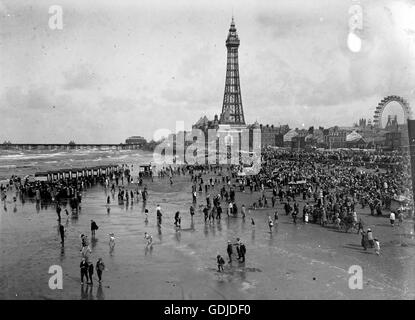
x: 400, y: 217
x: 218, y: 212
x: 306, y: 217
x: 206, y: 213
x: 238, y: 247
x: 294, y: 215
x: 242, y: 250
x: 370, y: 238
x: 159, y: 214
x: 112, y: 241
x: 177, y: 219
x: 360, y: 225
x: 62, y: 234
x: 84, y: 241
x: 212, y: 215
x: 230, y: 209
x: 377, y: 246
x: 220, y: 262
x: 276, y: 217
x: 149, y: 239
x: 364, y: 240
x: 90, y: 272
x: 229, y: 250
x: 86, y: 252
x: 243, y: 211
x: 94, y: 227
x: 84, y: 270
x: 270, y: 224
x: 392, y: 218
x: 58, y: 212
x: 100, y: 267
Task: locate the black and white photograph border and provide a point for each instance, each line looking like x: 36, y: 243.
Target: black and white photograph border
x: 207, y: 150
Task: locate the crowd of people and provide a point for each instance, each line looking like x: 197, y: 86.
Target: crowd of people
x: 331, y: 188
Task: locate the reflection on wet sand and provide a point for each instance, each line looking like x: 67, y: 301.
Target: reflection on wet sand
x: 100, y: 293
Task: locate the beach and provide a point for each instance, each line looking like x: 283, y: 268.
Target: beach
x: 303, y: 261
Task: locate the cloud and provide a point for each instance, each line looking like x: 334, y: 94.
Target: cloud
x: 307, y: 61
x: 82, y: 77
x: 139, y: 68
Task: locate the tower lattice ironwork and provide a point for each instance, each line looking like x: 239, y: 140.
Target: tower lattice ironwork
x: 232, y: 112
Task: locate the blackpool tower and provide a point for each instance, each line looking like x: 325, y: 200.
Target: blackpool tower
x: 232, y: 112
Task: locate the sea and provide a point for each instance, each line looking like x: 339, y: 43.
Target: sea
x: 27, y: 162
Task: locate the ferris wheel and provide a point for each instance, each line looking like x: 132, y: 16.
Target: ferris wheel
x: 377, y: 117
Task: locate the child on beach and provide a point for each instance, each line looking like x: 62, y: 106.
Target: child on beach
x: 221, y: 262
x: 84, y: 240
x: 392, y: 218
x: 276, y: 217
x: 270, y: 224
x: 112, y: 241
x: 377, y: 246
x: 149, y: 239
x: 177, y: 219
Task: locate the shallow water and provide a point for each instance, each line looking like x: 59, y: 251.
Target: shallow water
x: 21, y: 163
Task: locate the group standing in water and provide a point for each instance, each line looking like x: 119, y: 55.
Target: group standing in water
x: 86, y: 265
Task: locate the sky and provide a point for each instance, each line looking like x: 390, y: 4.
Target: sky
x: 133, y: 67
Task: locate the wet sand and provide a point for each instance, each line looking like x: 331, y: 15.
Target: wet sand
x: 294, y: 262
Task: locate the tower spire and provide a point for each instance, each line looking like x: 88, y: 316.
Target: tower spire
x: 232, y: 111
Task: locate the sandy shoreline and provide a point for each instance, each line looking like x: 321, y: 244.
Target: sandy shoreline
x: 295, y: 262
